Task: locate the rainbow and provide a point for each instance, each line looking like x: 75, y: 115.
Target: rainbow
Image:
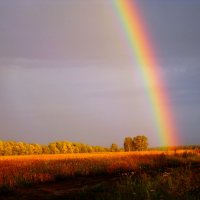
x: 142, y: 51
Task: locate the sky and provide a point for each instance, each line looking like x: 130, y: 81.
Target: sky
x: 66, y: 74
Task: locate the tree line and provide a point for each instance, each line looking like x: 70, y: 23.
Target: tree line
x: 138, y: 143
x: 61, y: 147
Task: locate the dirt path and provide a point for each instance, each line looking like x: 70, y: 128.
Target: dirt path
x: 57, y: 190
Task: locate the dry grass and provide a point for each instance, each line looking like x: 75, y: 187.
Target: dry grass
x: 25, y: 170
x: 90, y: 155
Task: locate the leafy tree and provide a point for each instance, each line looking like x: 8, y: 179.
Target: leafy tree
x: 128, y: 144
x: 1, y: 148
x: 21, y: 148
x: 82, y: 148
x: 53, y: 148
x: 114, y: 147
x: 140, y: 143
x: 45, y: 149
x: 71, y: 148
x: 62, y: 147
x: 37, y: 149
x: 8, y: 148
x: 30, y: 149
x: 90, y: 149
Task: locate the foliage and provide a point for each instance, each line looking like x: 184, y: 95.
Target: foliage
x: 128, y: 144
x: 138, y: 143
x: 60, y: 147
x: 114, y: 148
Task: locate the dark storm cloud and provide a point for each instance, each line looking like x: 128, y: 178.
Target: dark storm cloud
x: 182, y: 80
x: 174, y: 25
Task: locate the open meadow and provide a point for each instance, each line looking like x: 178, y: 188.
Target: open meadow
x: 110, y: 175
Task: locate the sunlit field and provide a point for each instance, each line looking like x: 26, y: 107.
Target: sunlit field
x: 175, y: 173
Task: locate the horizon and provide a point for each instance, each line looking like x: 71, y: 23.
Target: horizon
x: 120, y: 147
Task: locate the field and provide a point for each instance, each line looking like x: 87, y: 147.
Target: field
x: 132, y: 175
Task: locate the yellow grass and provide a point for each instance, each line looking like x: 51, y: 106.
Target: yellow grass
x: 91, y: 155
x: 17, y: 170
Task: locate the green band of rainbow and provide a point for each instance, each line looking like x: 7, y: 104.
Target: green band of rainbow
x: 143, y: 52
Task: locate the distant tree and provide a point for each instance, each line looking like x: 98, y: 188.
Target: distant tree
x: 1, y: 148
x: 8, y: 148
x: 114, y: 148
x: 128, y: 144
x: 71, y: 148
x: 21, y: 148
x: 99, y: 149
x: 82, y: 148
x: 45, y: 149
x: 62, y: 147
x: 30, y: 149
x: 37, y: 149
x: 90, y: 149
x: 140, y: 143
x: 53, y: 149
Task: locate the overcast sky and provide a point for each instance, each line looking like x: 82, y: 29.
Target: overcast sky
x: 66, y: 74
